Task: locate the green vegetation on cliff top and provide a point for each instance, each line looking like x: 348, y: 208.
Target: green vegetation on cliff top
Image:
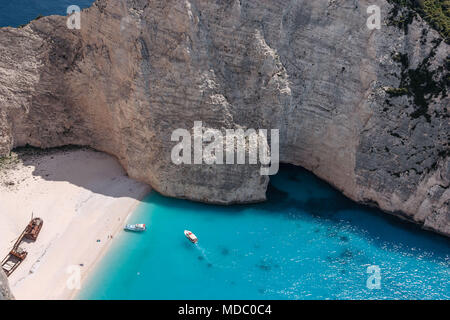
x: 435, y: 12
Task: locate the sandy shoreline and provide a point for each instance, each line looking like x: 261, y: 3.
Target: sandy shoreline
x: 83, y: 196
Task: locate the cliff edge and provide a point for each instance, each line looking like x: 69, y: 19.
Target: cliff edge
x: 366, y: 110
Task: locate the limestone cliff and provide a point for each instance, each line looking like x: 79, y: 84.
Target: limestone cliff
x: 5, y: 293
x: 366, y: 110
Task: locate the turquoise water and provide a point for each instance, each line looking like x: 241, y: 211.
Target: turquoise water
x: 16, y: 12
x: 306, y: 242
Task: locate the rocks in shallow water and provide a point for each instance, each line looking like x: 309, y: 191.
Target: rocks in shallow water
x: 264, y: 267
x: 5, y: 292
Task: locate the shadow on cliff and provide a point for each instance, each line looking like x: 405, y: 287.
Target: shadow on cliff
x: 293, y: 194
x: 298, y: 195
x: 91, y: 170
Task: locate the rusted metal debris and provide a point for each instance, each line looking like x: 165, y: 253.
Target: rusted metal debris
x: 33, y: 228
x: 17, y: 254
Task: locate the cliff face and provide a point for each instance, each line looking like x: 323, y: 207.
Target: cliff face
x: 366, y: 110
x: 5, y: 293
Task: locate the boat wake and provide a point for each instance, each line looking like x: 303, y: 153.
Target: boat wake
x: 213, y: 260
x: 203, y: 253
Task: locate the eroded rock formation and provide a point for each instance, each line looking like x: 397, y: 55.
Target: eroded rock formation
x: 5, y: 293
x: 366, y: 110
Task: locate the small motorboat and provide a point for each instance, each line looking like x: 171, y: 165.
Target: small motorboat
x: 192, y: 238
x: 135, y: 227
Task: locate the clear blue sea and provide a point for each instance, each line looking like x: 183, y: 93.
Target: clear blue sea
x: 306, y: 242
x: 13, y: 13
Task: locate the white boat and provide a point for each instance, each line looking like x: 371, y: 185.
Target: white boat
x: 136, y: 227
x: 192, y: 238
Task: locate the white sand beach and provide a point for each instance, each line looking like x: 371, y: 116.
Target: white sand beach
x: 82, y: 195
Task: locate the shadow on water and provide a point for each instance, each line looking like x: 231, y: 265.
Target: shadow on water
x: 378, y: 227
